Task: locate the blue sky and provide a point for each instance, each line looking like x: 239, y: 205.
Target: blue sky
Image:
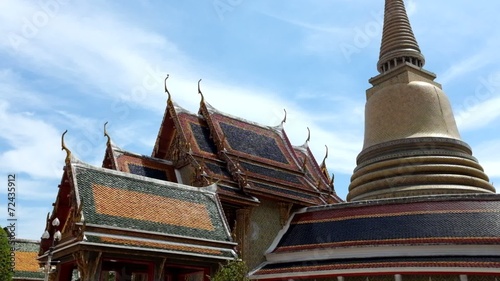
x: 71, y: 65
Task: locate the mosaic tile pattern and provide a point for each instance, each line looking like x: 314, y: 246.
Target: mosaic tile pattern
x: 147, y: 172
x: 134, y: 204
x: 118, y: 202
x: 145, y: 166
x: 252, y: 143
x: 271, y: 173
x: 202, y: 136
x: 218, y: 169
x: 344, y: 264
x: 26, y: 262
x: 468, y: 222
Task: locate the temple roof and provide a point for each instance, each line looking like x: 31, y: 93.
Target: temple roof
x: 460, y: 231
x: 151, y: 205
x: 381, y: 266
x: 26, y: 264
x: 255, y: 159
x: 121, y: 210
x: 125, y: 161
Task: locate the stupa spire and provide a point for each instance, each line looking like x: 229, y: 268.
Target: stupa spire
x: 412, y: 146
x: 399, y: 45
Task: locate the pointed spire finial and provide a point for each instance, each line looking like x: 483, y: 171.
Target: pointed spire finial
x: 166, y: 90
x: 106, y: 133
x: 63, y: 147
x: 199, y: 92
x: 399, y: 45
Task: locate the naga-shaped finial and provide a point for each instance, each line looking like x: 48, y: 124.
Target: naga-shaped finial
x: 323, y: 164
x: 284, y: 118
x: 332, y: 180
x: 166, y: 90
x: 106, y: 133
x: 63, y: 147
x: 199, y: 92
x: 308, y: 135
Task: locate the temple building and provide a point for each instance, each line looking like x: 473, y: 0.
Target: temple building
x: 218, y: 188
x: 420, y: 206
x: 215, y: 188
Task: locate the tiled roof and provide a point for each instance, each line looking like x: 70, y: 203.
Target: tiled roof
x: 257, y: 143
x: 197, y: 133
x: 219, y: 169
x: 459, y: 231
x: 247, y: 140
x: 160, y: 246
x: 233, y: 150
x: 131, y: 202
x: 398, y: 222
x: 346, y: 267
x: 294, y: 195
x: 143, y: 165
x: 313, y: 172
x: 26, y: 264
x: 201, y: 134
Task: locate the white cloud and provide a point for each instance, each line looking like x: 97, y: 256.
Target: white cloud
x: 479, y: 114
x: 29, y: 146
x: 464, y: 67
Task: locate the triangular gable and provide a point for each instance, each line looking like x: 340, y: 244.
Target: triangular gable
x: 317, y: 175
x: 171, y: 141
x: 67, y: 208
x: 198, y: 135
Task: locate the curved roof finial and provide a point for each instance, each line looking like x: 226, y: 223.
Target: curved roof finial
x: 332, y: 180
x: 63, y: 147
x: 308, y: 135
x: 284, y: 118
x: 166, y: 90
x: 199, y: 92
x: 106, y: 133
x: 326, y: 156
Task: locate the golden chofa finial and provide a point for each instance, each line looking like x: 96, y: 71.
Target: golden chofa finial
x: 63, y: 147
x: 284, y: 118
x: 323, y: 164
x: 106, y: 133
x: 199, y: 92
x: 166, y: 90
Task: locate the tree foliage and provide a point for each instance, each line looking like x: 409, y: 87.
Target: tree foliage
x: 5, y: 265
x: 235, y: 270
